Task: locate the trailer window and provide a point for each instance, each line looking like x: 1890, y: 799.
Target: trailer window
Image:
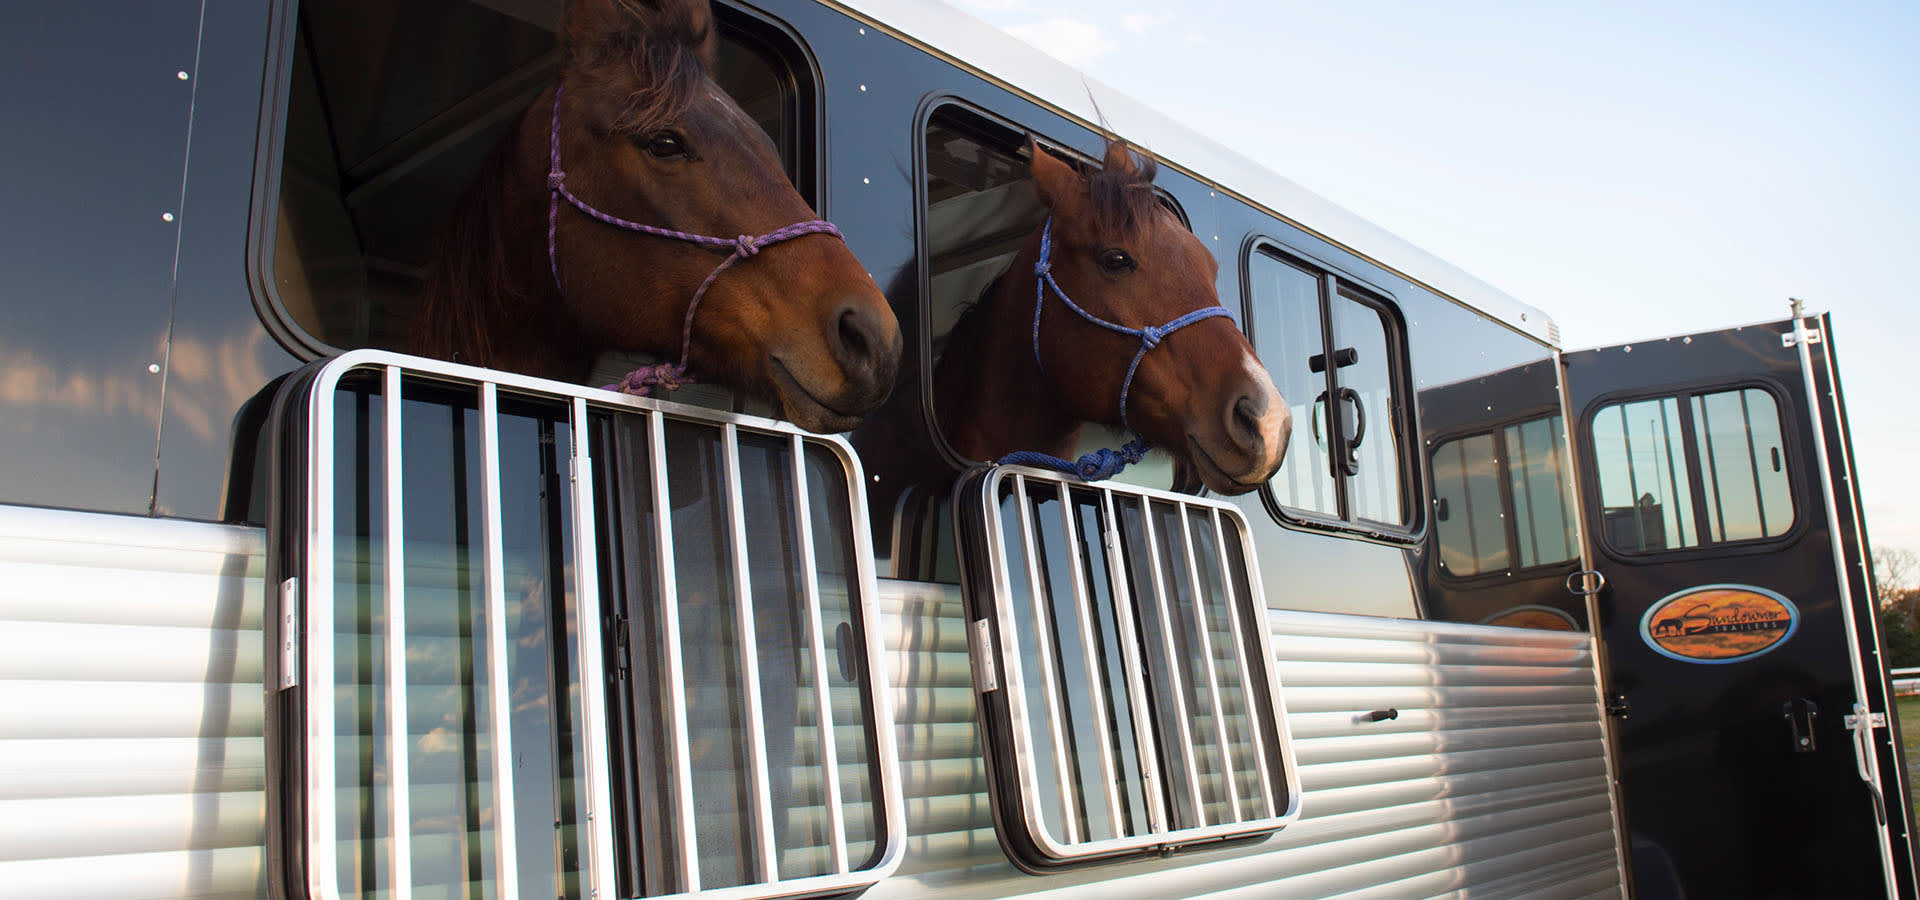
x: 1690, y: 470
x: 1132, y: 706
x: 1500, y: 503
x: 1338, y: 352
x: 391, y: 111
x: 578, y: 643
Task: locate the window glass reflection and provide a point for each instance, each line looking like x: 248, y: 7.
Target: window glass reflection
x: 1745, y: 465
x: 1366, y: 387
x: 1286, y: 334
x: 1645, y: 492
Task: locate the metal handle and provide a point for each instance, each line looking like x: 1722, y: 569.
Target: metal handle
x: 1350, y: 457
x: 1586, y: 582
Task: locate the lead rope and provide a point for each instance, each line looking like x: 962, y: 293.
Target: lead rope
x: 1107, y: 462
x: 641, y: 382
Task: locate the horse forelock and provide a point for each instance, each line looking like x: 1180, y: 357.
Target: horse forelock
x: 1121, y: 191
x: 652, y: 72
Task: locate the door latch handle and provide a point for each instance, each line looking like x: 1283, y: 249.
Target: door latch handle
x: 1800, y: 714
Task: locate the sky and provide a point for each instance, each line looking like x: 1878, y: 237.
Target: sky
x: 1634, y: 169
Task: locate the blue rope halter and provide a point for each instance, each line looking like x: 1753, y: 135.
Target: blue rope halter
x: 1104, y: 463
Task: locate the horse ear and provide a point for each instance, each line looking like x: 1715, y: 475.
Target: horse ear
x: 596, y: 23
x: 1055, y: 181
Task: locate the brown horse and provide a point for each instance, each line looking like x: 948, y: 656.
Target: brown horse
x: 1125, y: 258
x: 528, y: 278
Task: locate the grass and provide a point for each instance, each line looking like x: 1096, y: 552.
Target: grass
x: 1908, y: 708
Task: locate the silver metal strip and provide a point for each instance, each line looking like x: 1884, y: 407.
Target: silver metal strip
x: 598, y: 828
x: 817, y: 650
x: 1143, y: 743
x: 499, y: 698
x: 1182, y: 715
x: 394, y: 639
x: 675, y: 711
x: 1042, y: 635
x: 1213, y: 675
x: 755, y: 713
x: 1869, y: 761
x: 1246, y: 673
x: 1095, y: 659
x: 321, y: 838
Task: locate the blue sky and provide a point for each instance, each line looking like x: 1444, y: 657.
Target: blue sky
x: 1635, y: 169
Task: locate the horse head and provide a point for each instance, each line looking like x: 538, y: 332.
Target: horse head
x: 633, y: 177
x: 1126, y: 334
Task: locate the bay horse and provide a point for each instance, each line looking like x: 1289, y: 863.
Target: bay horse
x: 1109, y: 314
x: 601, y: 221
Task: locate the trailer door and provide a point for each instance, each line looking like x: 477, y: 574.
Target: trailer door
x: 1757, y: 752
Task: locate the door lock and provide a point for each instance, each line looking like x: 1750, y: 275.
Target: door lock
x: 1800, y: 714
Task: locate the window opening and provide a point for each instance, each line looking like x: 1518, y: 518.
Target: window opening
x: 721, y: 730
x: 1694, y: 469
x: 1135, y: 707
x: 1500, y: 500
x: 391, y: 113
x: 1332, y: 351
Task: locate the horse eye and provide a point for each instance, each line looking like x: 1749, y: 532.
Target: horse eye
x: 666, y: 145
x: 1117, y: 261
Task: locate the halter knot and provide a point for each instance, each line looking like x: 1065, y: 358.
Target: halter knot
x: 1041, y: 268
x: 555, y: 179
x: 1151, y: 335
x: 642, y: 381
x: 746, y: 245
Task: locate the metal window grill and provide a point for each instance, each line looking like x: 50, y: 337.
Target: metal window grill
x: 1122, y: 655
x: 445, y: 729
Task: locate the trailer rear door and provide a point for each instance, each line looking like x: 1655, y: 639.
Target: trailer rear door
x: 1758, y: 755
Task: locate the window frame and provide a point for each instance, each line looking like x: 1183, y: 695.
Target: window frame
x: 1497, y: 430
x: 1333, y: 282
x: 1683, y: 394
x: 803, y: 79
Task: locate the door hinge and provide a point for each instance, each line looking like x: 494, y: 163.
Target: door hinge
x: 289, y: 633
x: 1813, y: 337
x: 986, y: 666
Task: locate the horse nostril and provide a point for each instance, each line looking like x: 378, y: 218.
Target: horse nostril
x: 1243, y: 422
x: 855, y: 346
x: 862, y: 342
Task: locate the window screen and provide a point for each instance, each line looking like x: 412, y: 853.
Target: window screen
x: 720, y: 730
x: 1332, y: 351
x: 1500, y: 500
x: 1121, y: 647
x: 1684, y: 471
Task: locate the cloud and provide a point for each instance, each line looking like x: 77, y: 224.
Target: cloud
x: 1139, y: 24
x: 1072, y: 41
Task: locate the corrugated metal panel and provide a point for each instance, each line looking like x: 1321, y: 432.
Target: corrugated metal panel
x: 1492, y: 781
x: 130, y: 708
x: 131, y: 757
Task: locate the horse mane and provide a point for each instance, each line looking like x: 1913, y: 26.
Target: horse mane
x: 1121, y: 190
x: 469, y: 284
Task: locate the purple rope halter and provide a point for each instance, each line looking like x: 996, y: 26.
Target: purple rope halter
x: 666, y: 376
x: 1104, y: 463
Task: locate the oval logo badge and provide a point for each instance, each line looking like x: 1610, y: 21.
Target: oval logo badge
x: 1719, y: 623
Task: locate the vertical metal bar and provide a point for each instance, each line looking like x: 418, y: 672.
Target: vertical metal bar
x: 1866, y: 758
x: 1043, y: 640
x: 1246, y: 672
x: 1095, y: 661
x: 1183, y: 715
x: 399, y: 810
x: 593, y: 689
x: 757, y: 761
x: 499, y: 698
x: 1703, y: 422
x: 1130, y: 656
x: 817, y: 649
x: 1206, y: 654
x: 1753, y: 465
x: 676, y: 703
x: 319, y: 680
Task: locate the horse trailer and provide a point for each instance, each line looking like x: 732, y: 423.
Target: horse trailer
x: 289, y: 610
